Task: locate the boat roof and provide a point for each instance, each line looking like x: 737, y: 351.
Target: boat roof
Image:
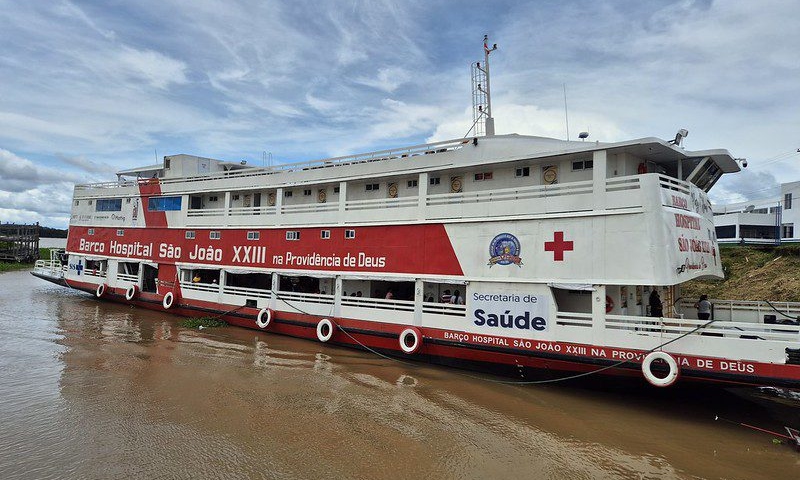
x: 507, y: 147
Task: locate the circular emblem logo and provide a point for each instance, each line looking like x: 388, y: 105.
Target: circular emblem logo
x: 504, y: 250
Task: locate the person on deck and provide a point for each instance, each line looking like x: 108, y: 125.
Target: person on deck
x: 656, y: 308
x: 703, y: 307
x: 456, y: 298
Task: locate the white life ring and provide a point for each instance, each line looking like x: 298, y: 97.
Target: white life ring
x: 169, y: 298
x: 410, y: 340
x: 672, y: 375
x: 264, y: 318
x: 324, y: 330
x: 131, y: 292
x: 101, y: 290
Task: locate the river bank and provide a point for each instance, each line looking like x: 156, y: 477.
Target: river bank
x: 753, y: 273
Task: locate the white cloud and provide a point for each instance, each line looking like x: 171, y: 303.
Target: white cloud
x: 387, y: 79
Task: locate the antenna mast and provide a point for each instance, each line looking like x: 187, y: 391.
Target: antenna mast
x: 483, y: 122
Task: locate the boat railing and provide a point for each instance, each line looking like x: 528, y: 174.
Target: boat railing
x: 206, y: 212
x: 745, y: 310
x: 381, y: 203
x: 618, y: 184
x: 680, y: 326
x: 380, y: 155
x: 451, y: 309
x: 200, y: 286
x: 49, y: 267
x: 290, y: 297
x: 573, y: 319
x: 378, y: 303
x: 127, y: 277
x: 310, y: 207
x: 247, y: 291
x: 514, y: 193
x: 671, y: 183
x: 93, y: 272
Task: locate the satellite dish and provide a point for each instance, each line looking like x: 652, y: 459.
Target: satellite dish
x: 749, y: 208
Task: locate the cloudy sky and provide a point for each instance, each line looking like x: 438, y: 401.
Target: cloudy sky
x: 91, y: 87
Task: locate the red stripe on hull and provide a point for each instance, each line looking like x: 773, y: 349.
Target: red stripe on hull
x: 405, y: 249
x: 384, y: 337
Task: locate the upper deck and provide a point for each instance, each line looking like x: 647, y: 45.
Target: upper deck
x: 501, y: 176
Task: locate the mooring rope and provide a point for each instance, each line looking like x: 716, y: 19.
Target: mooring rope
x: 796, y: 319
x: 513, y: 382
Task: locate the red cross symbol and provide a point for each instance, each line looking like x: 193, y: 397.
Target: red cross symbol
x: 558, y: 246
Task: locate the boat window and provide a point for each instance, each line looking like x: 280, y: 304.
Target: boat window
x: 445, y: 293
x: 128, y: 268
x: 292, y: 235
x: 335, y: 189
x: 214, y: 235
x: 435, y: 180
x: 412, y: 183
x: 373, y: 187
x: 483, y: 176
x: 392, y: 290
x: 325, y: 234
x: 787, y: 201
x: 200, y: 275
x: 189, y: 234
x: 299, y: 284
x: 523, y: 172
x: 108, y: 205
x: 253, y: 235
x: 163, y: 204
x: 349, y: 234
x: 90, y: 231
x: 262, y: 281
x: 582, y: 165
x: 287, y: 193
x: 120, y: 232
x: 96, y: 265
x: 307, y: 192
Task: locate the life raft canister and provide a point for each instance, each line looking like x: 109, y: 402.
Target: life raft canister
x: 324, y: 330
x: 410, y: 340
x: 101, y: 290
x: 264, y: 318
x: 672, y: 364
x: 131, y: 292
x: 168, y: 300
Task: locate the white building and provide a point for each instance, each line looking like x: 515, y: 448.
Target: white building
x: 770, y: 220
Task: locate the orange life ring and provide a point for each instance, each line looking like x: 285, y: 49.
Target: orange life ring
x: 642, y: 168
x: 609, y: 304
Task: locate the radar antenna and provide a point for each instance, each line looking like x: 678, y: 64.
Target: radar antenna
x: 482, y: 120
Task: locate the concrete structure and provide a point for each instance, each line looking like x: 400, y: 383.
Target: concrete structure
x: 770, y: 220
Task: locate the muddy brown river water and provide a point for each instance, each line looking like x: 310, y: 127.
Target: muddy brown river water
x: 90, y: 389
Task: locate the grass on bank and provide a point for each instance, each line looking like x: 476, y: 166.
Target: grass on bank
x: 205, y: 322
x: 44, y: 253
x: 765, y: 272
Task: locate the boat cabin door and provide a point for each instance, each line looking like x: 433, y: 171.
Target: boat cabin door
x: 149, y: 278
